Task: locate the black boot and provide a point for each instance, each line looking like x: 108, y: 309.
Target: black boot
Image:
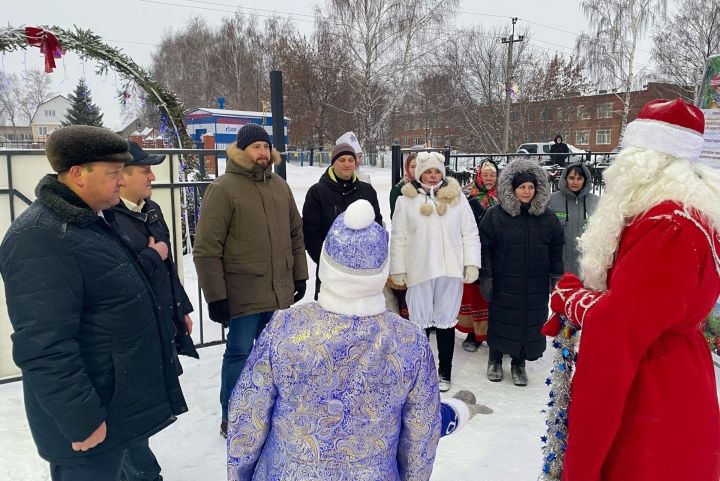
x: 470, y: 344
x: 519, y: 376
x: 495, y: 371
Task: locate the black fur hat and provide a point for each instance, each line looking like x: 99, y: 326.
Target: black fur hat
x: 80, y: 144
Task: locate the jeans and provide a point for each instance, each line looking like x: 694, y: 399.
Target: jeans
x: 103, y: 467
x: 140, y: 463
x: 242, y: 333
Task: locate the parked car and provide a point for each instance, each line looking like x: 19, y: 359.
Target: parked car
x: 544, y: 148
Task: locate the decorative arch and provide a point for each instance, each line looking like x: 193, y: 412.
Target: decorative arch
x: 54, y: 40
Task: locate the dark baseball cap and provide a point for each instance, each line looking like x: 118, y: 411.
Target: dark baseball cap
x: 140, y: 157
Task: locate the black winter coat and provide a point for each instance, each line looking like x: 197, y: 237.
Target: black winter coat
x: 324, y: 202
x: 169, y: 292
x: 557, y: 150
x: 87, y: 335
x: 521, y: 251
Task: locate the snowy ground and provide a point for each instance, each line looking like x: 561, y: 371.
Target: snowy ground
x: 501, y: 446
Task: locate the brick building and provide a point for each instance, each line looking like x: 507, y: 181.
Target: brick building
x: 589, y: 122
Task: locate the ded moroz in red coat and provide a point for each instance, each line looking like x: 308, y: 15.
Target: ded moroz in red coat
x: 644, y: 402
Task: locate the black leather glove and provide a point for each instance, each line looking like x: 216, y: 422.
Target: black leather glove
x: 486, y: 287
x: 219, y: 311
x: 300, y: 287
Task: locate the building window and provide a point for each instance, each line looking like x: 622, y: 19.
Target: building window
x: 531, y: 116
x: 42, y: 131
x: 563, y: 113
x: 513, y: 116
x: 417, y: 141
x: 582, y: 137
x: 603, y: 136
x: 49, y: 112
x: 546, y: 114
x: 583, y: 113
x: 605, y: 111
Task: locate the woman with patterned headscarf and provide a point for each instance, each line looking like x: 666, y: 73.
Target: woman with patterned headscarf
x: 473, y: 317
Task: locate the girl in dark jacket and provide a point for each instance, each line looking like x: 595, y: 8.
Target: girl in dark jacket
x: 521, y: 242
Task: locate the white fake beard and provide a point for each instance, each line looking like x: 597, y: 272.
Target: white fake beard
x: 638, y: 180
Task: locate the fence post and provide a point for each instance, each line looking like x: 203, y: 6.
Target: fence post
x: 447, y: 156
x: 312, y: 154
x: 396, y: 165
x: 278, y: 119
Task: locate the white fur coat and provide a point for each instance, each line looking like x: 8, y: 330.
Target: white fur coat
x: 426, y: 245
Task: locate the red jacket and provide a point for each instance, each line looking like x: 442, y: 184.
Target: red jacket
x: 644, y: 403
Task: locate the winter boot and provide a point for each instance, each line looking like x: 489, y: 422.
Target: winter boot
x: 495, y: 371
x: 223, y: 429
x: 519, y: 376
x: 470, y: 344
x: 444, y: 381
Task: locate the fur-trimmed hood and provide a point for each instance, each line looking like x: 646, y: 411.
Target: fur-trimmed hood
x: 448, y: 194
x: 242, y: 163
x: 506, y: 193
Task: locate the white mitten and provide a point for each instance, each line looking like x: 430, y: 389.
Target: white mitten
x: 399, y: 279
x: 470, y: 274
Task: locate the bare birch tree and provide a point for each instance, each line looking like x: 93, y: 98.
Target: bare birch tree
x: 21, y: 94
x: 384, y: 39
x: 610, y: 49
x: 684, y: 41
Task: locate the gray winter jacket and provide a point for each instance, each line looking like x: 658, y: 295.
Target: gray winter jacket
x: 573, y: 211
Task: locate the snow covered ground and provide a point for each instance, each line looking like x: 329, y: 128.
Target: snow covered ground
x: 502, y: 446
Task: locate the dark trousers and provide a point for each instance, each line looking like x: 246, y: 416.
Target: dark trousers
x: 497, y: 356
x: 446, y: 347
x: 140, y: 463
x: 104, y: 467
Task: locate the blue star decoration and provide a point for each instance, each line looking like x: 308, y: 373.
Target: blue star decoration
x: 548, y: 381
x: 544, y: 439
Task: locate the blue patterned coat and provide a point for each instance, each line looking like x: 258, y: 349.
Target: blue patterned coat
x: 330, y: 397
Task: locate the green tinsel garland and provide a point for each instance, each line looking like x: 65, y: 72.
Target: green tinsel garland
x: 90, y: 46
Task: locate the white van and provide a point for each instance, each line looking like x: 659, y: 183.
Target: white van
x: 544, y: 148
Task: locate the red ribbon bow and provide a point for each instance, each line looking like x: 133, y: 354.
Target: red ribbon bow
x: 48, y: 43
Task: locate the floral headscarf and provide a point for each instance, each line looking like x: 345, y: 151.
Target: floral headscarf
x: 477, y: 189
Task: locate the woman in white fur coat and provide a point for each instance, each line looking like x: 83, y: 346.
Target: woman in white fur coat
x: 434, y: 248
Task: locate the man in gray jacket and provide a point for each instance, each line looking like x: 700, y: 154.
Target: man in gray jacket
x: 249, y: 250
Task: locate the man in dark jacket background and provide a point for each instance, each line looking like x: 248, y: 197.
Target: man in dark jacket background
x: 557, y: 149
x: 249, y: 251
x: 142, y: 221
x: 335, y: 191
x: 97, y: 360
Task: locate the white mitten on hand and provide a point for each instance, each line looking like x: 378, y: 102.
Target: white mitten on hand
x: 399, y: 279
x: 470, y: 274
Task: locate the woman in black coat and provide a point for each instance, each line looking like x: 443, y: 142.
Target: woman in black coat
x: 521, y: 244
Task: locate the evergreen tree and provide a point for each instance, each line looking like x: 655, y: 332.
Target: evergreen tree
x: 82, y: 110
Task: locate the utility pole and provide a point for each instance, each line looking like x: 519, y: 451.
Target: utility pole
x: 508, y: 82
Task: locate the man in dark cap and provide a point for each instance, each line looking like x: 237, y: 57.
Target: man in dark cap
x: 249, y: 250
x: 96, y: 358
x: 142, y: 221
x: 337, y: 188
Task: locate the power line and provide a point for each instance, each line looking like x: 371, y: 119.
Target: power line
x: 220, y: 10
x: 254, y: 9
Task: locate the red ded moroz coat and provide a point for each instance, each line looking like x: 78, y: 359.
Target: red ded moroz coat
x: 644, y: 403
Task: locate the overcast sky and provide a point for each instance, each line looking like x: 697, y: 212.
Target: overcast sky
x: 136, y: 27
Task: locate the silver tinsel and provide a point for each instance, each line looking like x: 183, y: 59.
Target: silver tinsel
x: 555, y: 439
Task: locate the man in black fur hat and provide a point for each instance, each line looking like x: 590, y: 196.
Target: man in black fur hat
x: 97, y: 362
